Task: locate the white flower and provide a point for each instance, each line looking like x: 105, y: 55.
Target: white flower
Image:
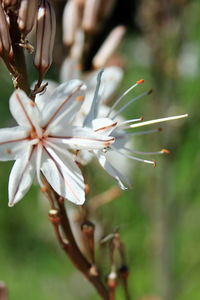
x: 111, y: 125
x: 41, y: 139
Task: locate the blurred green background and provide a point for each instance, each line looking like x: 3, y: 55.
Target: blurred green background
x: 159, y: 218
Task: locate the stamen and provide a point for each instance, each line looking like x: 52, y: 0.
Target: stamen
x: 144, y: 153
x: 158, y: 121
x: 165, y: 151
x: 130, y: 121
x: 152, y: 162
x: 139, y: 132
x: 123, y: 95
x: 130, y: 102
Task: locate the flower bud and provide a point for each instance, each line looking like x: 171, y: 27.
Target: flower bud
x: 90, y: 15
x: 109, y: 47
x: 45, y: 36
x: 54, y: 216
x: 3, y: 291
x: 26, y: 18
x: 5, y: 41
x: 70, y: 22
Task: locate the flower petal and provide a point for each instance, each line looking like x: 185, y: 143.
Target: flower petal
x: 63, y: 103
x: 21, y: 176
x: 64, y: 176
x: 103, y: 125
x: 112, y: 171
x: 12, y: 142
x: 24, y: 110
x: 42, y: 99
x: 80, y: 138
x: 111, y: 78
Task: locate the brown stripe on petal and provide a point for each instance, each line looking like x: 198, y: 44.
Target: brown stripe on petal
x: 24, y: 110
x: 61, y: 174
x: 106, y: 127
x: 61, y: 106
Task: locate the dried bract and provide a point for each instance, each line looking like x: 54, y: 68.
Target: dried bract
x: 5, y: 41
x: 27, y: 13
x: 45, y: 36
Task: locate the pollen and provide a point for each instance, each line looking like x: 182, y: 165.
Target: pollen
x: 8, y: 151
x: 165, y: 151
x: 32, y: 103
x: 106, y: 144
x: 79, y: 98
x: 140, y: 81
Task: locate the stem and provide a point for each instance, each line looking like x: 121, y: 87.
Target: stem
x: 75, y: 255
x: 19, y: 59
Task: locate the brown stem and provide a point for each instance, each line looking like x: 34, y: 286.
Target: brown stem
x: 112, y: 294
x: 75, y: 255
x: 19, y: 59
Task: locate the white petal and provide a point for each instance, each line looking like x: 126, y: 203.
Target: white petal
x: 112, y: 171
x: 63, y: 103
x: 111, y: 78
x: 21, y: 177
x: 103, y: 125
x: 12, y: 142
x: 64, y: 176
x: 42, y: 99
x: 80, y: 138
x: 24, y: 110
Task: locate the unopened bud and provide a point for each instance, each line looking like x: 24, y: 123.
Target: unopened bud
x: 27, y: 13
x: 124, y: 272
x: 3, y: 291
x: 5, y: 41
x: 109, y: 47
x: 45, y: 36
x: 112, y: 280
x: 87, y: 228
x: 70, y: 22
x: 54, y: 216
x: 90, y: 15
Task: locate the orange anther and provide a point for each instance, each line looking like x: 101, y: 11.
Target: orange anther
x: 140, y: 81
x: 106, y: 144
x: 32, y: 103
x: 141, y: 118
x: 160, y: 129
x: 165, y: 151
x: 79, y: 98
x: 8, y: 151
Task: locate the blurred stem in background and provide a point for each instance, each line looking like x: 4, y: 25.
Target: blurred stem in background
x: 163, y: 29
